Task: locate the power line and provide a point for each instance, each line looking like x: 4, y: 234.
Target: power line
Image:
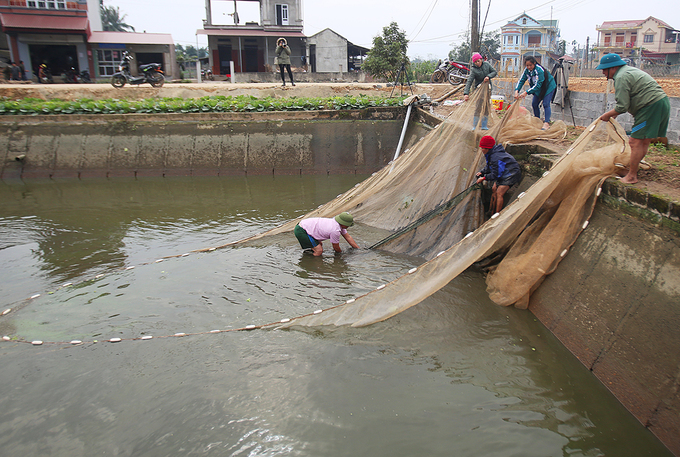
x: 432, y: 6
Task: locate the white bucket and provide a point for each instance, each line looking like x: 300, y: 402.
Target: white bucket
x: 497, y: 102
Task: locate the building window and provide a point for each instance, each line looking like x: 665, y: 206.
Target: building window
x: 649, y: 39
x: 534, y: 41
x: 47, y: 4
x: 282, y: 14
x: 108, y: 61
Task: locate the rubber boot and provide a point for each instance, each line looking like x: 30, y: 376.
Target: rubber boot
x: 475, y: 119
x: 485, y: 120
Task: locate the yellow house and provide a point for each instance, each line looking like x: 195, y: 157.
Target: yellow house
x: 649, y: 40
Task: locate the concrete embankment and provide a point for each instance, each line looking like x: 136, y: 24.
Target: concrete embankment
x: 614, y: 300
x: 360, y: 141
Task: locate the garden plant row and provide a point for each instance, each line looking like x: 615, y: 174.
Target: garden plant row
x: 241, y: 103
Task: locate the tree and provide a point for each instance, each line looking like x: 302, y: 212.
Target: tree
x: 420, y: 70
x: 112, y: 21
x: 189, y: 53
x: 461, y: 52
x: 387, y: 54
x: 490, y: 46
x: 562, y: 47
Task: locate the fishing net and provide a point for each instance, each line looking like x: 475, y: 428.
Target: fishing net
x: 428, y: 199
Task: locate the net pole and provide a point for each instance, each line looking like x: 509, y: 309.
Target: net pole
x: 401, y: 138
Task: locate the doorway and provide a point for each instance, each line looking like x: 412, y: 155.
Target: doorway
x: 58, y: 58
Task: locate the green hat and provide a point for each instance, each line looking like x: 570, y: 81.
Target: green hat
x: 345, y: 219
x: 610, y: 60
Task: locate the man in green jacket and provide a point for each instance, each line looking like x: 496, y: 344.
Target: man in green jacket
x: 640, y: 95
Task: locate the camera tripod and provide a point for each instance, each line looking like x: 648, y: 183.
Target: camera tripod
x: 401, y: 74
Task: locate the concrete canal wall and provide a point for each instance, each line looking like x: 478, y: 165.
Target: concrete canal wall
x: 614, y: 301
x: 360, y: 141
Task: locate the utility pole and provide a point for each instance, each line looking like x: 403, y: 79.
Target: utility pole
x: 474, y: 27
x: 235, y: 14
x: 208, y: 13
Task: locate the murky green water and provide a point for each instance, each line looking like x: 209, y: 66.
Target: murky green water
x: 453, y: 376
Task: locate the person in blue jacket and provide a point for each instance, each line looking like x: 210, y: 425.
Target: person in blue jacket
x: 501, y: 169
x: 542, y: 86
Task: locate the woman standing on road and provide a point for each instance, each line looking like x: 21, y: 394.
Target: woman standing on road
x: 480, y: 72
x: 542, y: 87
x: 283, y: 59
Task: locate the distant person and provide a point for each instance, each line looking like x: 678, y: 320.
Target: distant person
x: 42, y: 73
x: 22, y: 71
x: 640, y: 95
x: 15, y: 72
x: 542, y: 87
x: 283, y: 59
x: 481, y: 71
x: 501, y: 169
x: 312, y: 231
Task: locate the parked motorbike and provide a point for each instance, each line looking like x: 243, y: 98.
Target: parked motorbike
x: 451, y: 71
x: 149, y: 73
x: 207, y: 75
x: 72, y: 76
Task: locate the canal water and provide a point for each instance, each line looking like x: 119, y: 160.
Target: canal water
x: 454, y: 376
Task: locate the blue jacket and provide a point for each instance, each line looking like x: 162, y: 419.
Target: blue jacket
x: 537, y: 77
x: 499, y: 164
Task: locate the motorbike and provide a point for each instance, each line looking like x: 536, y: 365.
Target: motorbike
x: 149, y: 73
x: 72, y: 76
x: 207, y: 75
x: 45, y: 76
x: 451, y: 71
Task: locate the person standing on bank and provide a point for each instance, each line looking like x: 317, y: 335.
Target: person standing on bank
x: 542, y: 86
x: 312, y: 231
x: 501, y: 169
x: 15, y: 72
x: 283, y: 59
x: 481, y: 71
x: 640, y: 95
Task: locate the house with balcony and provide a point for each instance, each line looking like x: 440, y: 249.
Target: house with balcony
x: 648, y: 40
x: 68, y: 34
x: 526, y: 36
x: 251, y: 46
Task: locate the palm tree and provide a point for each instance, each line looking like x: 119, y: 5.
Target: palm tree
x: 112, y: 21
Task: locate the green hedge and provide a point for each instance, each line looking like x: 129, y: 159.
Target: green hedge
x: 213, y: 104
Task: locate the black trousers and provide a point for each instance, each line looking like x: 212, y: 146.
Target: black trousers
x: 290, y: 73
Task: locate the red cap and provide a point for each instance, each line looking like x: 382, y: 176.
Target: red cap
x: 487, y: 142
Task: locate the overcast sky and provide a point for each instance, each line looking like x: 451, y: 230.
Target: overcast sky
x: 432, y: 26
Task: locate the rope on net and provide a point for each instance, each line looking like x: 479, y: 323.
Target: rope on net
x: 428, y: 216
